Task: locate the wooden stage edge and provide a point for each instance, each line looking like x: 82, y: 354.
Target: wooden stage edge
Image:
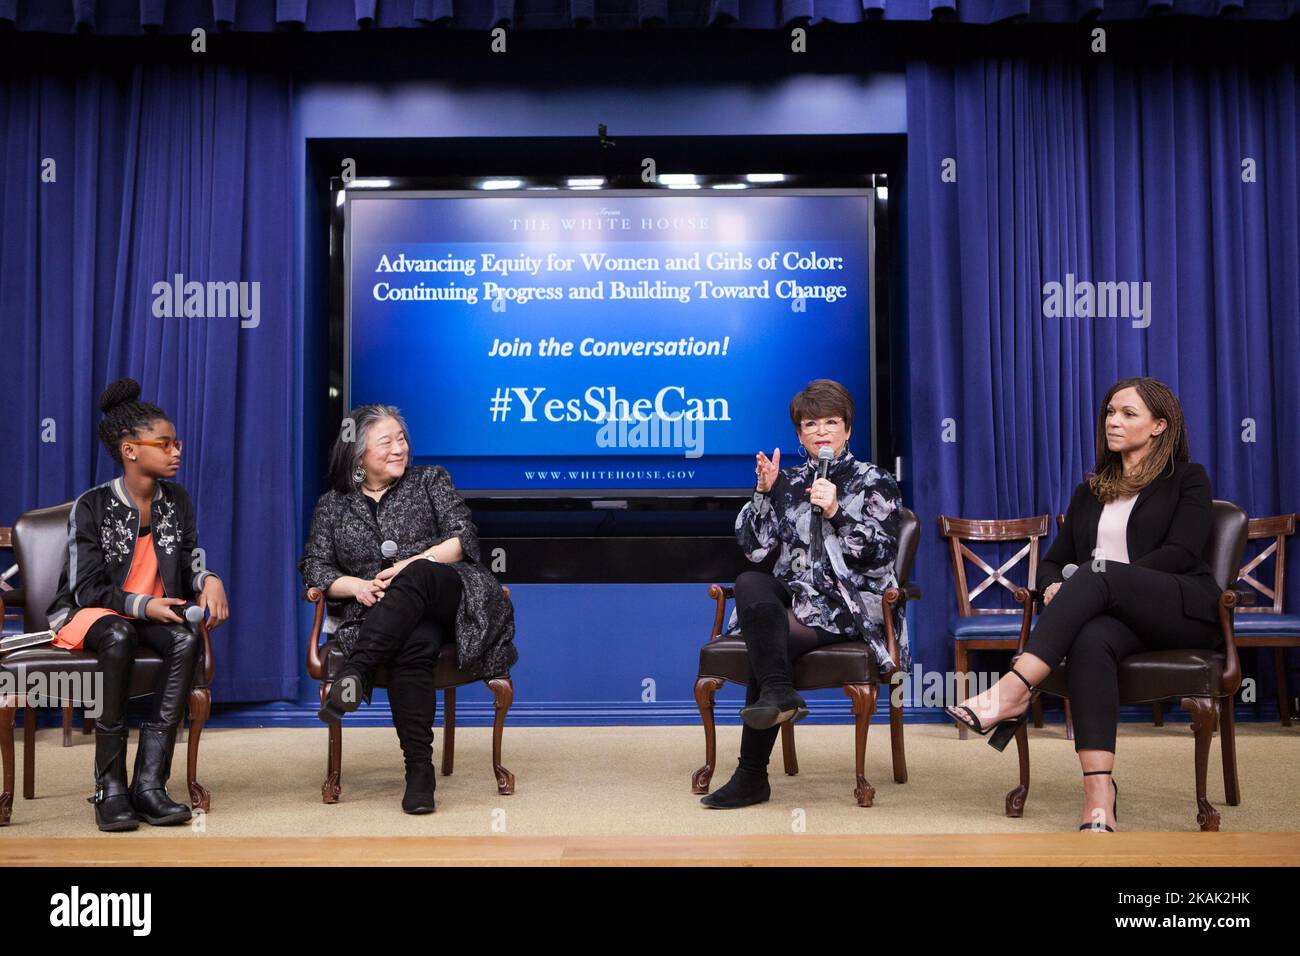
x: 1038, y: 849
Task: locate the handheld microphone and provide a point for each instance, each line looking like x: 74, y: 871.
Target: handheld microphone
x: 389, y: 550
x: 824, y: 456
x: 190, y: 613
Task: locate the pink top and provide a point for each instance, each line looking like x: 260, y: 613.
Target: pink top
x: 143, y: 578
x: 1112, y: 530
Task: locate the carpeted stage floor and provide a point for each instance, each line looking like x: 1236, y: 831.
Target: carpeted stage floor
x: 627, y: 782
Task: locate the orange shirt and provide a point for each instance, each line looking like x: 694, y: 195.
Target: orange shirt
x: 143, y: 578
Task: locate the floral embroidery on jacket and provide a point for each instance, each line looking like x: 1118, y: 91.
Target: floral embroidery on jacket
x: 164, y: 528
x: 116, y: 534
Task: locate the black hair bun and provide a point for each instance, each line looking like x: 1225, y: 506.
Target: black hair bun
x: 119, y: 393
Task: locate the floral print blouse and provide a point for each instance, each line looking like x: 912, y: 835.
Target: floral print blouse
x: 836, y: 568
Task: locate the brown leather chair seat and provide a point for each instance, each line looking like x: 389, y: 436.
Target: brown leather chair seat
x: 824, y: 667
x: 447, y: 673
x: 1157, y: 676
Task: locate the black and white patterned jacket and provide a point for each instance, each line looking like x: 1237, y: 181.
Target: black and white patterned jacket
x: 837, y: 568
x: 421, y: 509
x: 102, y: 529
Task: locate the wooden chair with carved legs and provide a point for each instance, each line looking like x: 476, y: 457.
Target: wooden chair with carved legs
x: 990, y: 629
x: 39, y: 542
x: 12, y: 602
x: 324, y: 660
x: 1202, y: 681
x: 1268, y: 626
x: 845, y: 665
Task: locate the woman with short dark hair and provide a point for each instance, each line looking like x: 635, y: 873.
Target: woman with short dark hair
x: 1136, y: 529
x: 398, y: 612
x: 838, y: 539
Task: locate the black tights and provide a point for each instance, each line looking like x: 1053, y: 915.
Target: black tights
x: 403, y: 632
x: 113, y: 640
x: 1098, y: 618
x: 752, y: 589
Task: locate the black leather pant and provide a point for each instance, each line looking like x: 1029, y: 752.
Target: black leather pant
x: 754, y: 588
x: 404, y: 632
x: 114, y: 640
x: 1097, y: 619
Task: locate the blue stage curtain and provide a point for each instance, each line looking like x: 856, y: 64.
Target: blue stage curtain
x: 1108, y: 172
x: 159, y: 170
x: 181, y: 16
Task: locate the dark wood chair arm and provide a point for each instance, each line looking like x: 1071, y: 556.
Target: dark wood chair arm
x: 901, y: 594
x: 317, y: 597
x: 721, y: 593
x: 1027, y: 598
x: 13, y: 597
x: 1244, y: 596
x: 1231, y: 598
x: 209, y: 662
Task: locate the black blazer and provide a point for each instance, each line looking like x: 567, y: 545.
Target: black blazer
x: 1167, y: 531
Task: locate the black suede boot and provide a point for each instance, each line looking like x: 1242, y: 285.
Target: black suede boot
x: 112, y: 800
x: 345, y: 695
x: 153, y: 765
x: 411, y: 697
x: 744, y: 789
x: 766, y: 631
x: 420, y: 784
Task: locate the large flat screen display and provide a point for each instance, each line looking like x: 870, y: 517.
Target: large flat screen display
x: 571, y: 342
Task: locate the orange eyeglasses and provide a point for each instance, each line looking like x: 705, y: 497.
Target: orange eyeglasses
x: 165, y: 444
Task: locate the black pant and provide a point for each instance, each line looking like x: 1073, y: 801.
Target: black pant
x: 1098, y: 618
x: 114, y: 639
x: 752, y: 589
x: 404, y: 632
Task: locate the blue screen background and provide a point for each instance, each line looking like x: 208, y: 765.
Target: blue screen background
x: 469, y: 410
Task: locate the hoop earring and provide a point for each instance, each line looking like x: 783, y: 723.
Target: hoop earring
x: 803, y: 451
x: 358, y: 475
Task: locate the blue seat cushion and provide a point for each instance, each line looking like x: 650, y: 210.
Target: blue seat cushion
x: 984, y: 626
x: 1266, y: 623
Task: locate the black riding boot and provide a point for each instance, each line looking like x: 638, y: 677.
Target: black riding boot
x: 153, y: 765
x: 112, y: 800
x: 350, y: 685
x: 411, y: 697
x: 766, y: 631
x: 748, y: 785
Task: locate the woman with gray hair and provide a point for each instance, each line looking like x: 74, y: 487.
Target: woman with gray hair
x: 396, y: 609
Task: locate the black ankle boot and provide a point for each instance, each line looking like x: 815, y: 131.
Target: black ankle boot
x: 421, y: 781
x: 744, y: 789
x: 766, y: 630
x: 153, y: 765
x: 112, y: 800
x: 346, y: 693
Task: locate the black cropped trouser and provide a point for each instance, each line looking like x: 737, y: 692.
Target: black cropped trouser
x: 404, y: 631
x: 752, y: 589
x: 113, y: 640
x: 1097, y: 619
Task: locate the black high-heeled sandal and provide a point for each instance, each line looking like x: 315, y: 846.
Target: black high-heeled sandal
x: 1004, y: 730
x: 1114, y: 809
